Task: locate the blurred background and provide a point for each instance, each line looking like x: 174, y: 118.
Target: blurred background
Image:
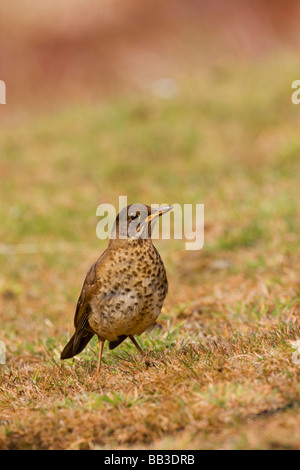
x: 53, y: 53
x: 174, y: 101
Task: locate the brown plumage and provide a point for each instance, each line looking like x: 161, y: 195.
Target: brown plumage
x: 124, y: 291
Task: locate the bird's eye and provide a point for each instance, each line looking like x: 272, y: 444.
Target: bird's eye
x: 135, y: 216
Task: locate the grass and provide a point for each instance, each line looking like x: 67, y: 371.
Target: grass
x: 219, y: 371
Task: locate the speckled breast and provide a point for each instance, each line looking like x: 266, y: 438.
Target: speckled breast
x: 131, y: 294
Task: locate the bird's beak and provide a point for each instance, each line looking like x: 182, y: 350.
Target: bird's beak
x: 158, y: 212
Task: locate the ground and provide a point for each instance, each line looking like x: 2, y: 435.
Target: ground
x: 219, y: 371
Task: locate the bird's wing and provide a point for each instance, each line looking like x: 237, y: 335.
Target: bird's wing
x: 88, y: 291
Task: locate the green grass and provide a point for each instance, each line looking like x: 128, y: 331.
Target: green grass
x: 218, y: 373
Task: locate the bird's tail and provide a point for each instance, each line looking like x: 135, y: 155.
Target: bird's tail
x: 75, y: 345
x: 114, y: 344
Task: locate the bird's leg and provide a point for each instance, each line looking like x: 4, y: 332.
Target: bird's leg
x: 101, y: 344
x: 137, y: 345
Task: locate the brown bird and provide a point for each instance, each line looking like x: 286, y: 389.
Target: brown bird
x: 124, y: 291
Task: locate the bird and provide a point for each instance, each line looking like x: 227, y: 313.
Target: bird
x: 124, y: 290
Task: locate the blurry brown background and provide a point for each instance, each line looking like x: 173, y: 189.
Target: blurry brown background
x: 52, y: 52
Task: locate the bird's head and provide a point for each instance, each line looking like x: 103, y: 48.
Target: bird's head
x: 136, y: 221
